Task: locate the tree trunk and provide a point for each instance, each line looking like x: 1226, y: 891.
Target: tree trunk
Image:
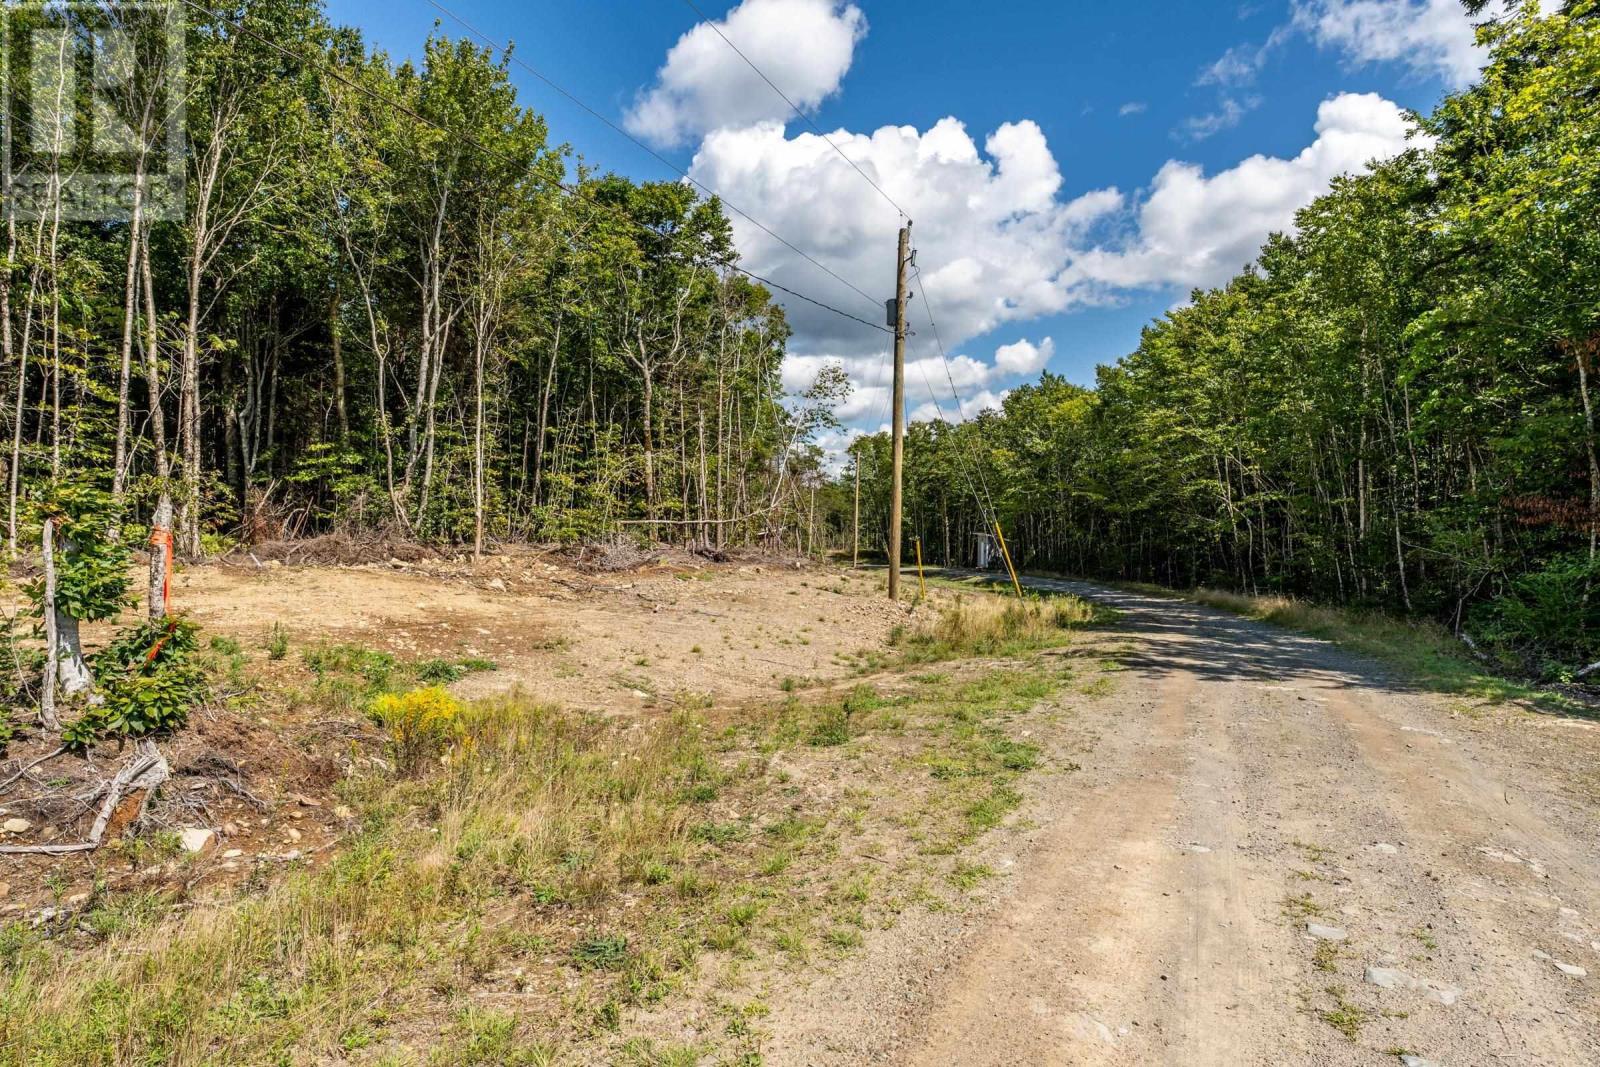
x: 47, y: 690
x: 338, y: 366
x: 160, y: 558
x: 72, y: 670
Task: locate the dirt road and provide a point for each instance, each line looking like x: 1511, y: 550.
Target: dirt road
x: 1274, y: 853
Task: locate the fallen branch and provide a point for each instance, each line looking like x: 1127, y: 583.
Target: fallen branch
x: 42, y: 759
x: 144, y: 771
x: 1590, y: 669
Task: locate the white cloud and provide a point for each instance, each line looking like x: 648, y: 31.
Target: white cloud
x: 1024, y: 357
x: 1227, y: 115
x: 992, y: 231
x: 1429, y: 36
x: 1133, y: 107
x: 970, y: 406
x: 997, y: 241
x: 804, y: 46
x: 1194, y: 229
x: 1237, y: 66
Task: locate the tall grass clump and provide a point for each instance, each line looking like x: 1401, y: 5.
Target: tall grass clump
x: 995, y: 626
x: 533, y: 805
x: 1425, y: 651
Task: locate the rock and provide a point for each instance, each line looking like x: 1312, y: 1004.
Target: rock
x: 233, y: 853
x: 497, y: 584
x: 1385, y: 848
x: 1326, y: 933
x: 5, y: 890
x: 1391, y: 978
x: 341, y: 811
x: 16, y: 826
x: 1408, y: 1060
x: 294, y: 835
x: 196, y: 839
x: 78, y: 898
x: 307, y: 802
x: 1568, y: 969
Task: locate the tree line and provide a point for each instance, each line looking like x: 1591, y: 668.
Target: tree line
x: 1394, y: 405
x: 372, y: 293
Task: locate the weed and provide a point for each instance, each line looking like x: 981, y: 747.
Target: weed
x: 1344, y: 1016
x: 277, y: 642
x: 1301, y: 907
x: 967, y: 876
x: 600, y: 953
x: 843, y: 938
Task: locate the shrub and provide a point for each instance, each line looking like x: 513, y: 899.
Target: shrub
x: 420, y: 724
x: 277, y: 642
x: 1551, y: 614
x: 147, y: 683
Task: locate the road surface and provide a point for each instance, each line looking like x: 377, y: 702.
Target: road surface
x: 1273, y: 853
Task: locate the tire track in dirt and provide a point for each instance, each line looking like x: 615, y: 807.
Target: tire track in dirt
x: 1246, y: 781
x: 1050, y: 969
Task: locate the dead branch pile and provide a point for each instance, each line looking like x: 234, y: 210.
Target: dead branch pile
x: 346, y: 547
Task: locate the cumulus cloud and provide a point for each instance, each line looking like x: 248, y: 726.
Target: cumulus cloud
x: 992, y: 231
x: 1024, y: 357
x: 1430, y: 36
x: 804, y: 46
x: 1195, y: 229
x: 998, y: 241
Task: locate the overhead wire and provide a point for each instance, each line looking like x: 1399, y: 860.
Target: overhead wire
x: 658, y: 157
x: 797, y: 110
x: 987, y: 498
x: 575, y: 193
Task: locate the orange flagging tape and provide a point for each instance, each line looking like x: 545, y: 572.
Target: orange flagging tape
x: 161, y: 537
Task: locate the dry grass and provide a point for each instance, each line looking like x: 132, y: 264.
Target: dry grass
x: 1425, y: 651
x: 986, y: 624
x: 532, y: 803
x: 554, y: 876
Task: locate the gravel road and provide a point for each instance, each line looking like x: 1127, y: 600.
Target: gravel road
x: 1273, y: 853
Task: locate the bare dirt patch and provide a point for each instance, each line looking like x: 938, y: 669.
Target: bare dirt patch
x: 615, y: 642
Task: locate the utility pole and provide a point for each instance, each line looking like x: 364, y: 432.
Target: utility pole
x: 855, y: 525
x: 898, y: 449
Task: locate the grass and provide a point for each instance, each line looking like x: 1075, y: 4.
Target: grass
x: 991, y: 625
x: 1424, y: 651
x: 514, y: 855
x: 1343, y: 1016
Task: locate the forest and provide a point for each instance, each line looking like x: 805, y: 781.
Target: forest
x: 364, y: 294
x: 368, y: 294
x: 1393, y: 406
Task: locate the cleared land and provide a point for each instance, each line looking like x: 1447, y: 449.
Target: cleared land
x: 744, y: 813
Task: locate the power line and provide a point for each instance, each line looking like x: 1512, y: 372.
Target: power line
x: 810, y: 300
x: 575, y: 192
x: 684, y: 174
x: 922, y: 285
x: 807, y: 118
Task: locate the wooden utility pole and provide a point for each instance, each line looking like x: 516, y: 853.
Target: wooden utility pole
x: 855, y: 526
x: 898, y: 448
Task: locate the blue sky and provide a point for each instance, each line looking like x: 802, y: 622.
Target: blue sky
x: 1140, y: 148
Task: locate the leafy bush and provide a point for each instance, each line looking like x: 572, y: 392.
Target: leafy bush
x: 7, y: 730
x: 153, y: 643
x: 420, y: 724
x: 92, y: 577
x: 1550, y: 614
x: 148, y: 683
